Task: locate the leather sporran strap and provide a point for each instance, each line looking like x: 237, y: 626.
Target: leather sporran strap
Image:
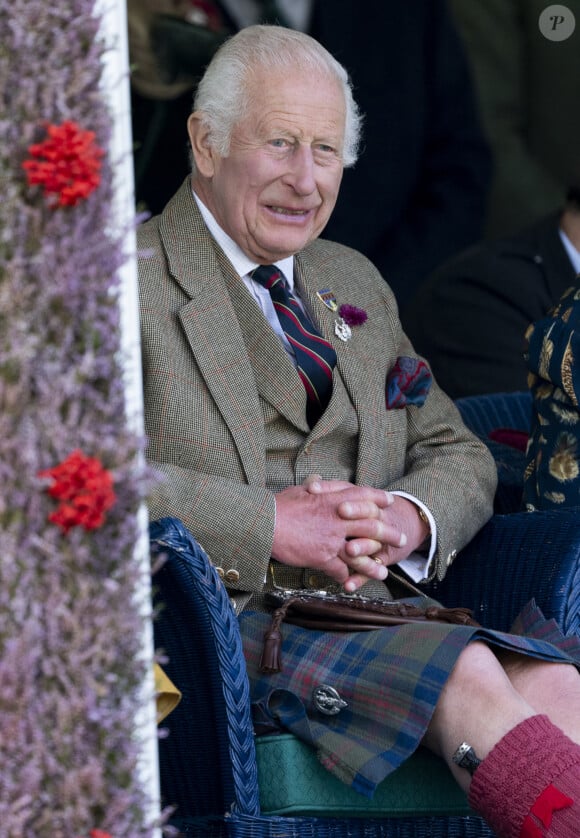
x: 342, y: 612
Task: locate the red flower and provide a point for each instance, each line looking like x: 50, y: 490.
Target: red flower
x: 98, y: 833
x: 85, y: 491
x: 68, y: 166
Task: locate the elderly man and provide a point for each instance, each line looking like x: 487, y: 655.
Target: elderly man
x: 303, y: 442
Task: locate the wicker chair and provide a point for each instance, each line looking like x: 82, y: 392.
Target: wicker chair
x: 501, y: 411
x: 488, y: 412
x: 224, y: 781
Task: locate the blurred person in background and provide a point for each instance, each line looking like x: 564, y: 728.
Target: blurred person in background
x: 470, y: 317
x: 525, y: 58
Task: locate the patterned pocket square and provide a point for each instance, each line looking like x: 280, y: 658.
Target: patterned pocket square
x: 407, y: 383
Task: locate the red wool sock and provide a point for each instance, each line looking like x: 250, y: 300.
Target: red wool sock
x: 528, y: 786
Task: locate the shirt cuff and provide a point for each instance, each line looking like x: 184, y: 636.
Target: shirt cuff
x: 417, y: 565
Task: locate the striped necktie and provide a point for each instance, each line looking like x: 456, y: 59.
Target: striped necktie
x: 315, y: 357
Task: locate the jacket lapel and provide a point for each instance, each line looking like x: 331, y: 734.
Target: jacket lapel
x: 210, y: 324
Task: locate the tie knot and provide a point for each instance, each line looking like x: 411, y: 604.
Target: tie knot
x: 267, y: 275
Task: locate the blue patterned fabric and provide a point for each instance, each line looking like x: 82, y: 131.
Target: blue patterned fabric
x: 211, y: 730
x: 552, y: 472
x: 484, y: 415
x: 391, y: 680
x: 408, y: 383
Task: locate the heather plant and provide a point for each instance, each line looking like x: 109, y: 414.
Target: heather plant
x: 70, y: 483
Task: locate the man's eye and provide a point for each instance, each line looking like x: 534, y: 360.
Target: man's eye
x: 278, y: 142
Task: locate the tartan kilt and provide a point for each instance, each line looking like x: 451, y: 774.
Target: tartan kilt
x: 390, y: 678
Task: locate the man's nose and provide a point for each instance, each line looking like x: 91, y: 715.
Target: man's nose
x: 301, y: 170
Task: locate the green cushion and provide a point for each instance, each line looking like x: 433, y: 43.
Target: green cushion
x: 293, y: 782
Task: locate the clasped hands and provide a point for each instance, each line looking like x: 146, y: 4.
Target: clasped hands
x: 351, y: 533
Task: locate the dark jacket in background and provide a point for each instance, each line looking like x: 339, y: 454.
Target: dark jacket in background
x: 470, y: 318
x: 529, y: 97
x: 417, y: 195
x: 552, y: 473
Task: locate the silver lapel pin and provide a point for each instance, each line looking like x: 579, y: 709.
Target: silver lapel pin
x: 341, y: 328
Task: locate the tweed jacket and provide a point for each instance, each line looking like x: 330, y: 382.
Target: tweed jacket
x: 214, y: 372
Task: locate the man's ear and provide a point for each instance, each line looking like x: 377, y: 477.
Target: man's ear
x: 200, y: 145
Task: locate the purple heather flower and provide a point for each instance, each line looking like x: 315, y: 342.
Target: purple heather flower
x: 71, y: 671
x: 352, y: 315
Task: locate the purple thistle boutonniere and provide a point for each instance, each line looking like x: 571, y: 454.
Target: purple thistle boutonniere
x: 348, y: 315
x: 352, y: 315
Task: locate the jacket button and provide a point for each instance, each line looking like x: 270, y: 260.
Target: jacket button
x: 232, y: 576
x: 220, y: 572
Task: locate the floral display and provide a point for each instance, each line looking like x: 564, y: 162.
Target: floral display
x: 84, y: 489
x: 69, y: 164
x: 72, y: 666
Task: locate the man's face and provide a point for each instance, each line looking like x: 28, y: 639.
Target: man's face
x: 275, y: 191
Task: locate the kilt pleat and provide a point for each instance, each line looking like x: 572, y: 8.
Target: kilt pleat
x: 390, y: 678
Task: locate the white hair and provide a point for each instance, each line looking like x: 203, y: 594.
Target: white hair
x: 223, y: 94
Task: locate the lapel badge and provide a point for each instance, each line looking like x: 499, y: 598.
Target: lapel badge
x: 342, y: 330
x: 326, y: 296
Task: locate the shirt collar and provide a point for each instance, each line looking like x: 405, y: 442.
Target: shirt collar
x: 573, y: 253
x: 242, y: 263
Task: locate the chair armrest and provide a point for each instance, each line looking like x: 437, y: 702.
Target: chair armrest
x: 515, y: 558
x: 213, y: 736
x: 490, y: 411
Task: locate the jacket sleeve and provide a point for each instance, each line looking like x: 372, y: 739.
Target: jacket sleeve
x: 234, y: 522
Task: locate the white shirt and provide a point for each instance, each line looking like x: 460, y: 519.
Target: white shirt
x: 245, y: 267
x: 416, y: 565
